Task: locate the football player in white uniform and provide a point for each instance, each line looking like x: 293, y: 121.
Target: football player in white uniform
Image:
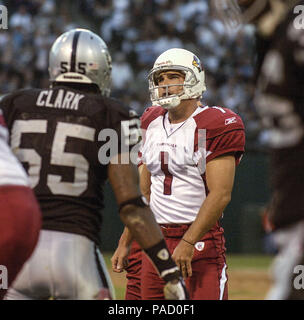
x: 187, y: 165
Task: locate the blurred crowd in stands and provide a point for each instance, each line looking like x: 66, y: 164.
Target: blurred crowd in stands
x: 136, y: 31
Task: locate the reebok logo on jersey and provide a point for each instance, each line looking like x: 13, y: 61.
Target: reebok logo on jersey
x: 163, y: 254
x: 230, y: 120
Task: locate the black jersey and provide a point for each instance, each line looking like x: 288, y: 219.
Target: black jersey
x: 65, y: 139
x: 280, y: 102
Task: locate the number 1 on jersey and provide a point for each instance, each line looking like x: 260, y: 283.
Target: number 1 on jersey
x: 164, y: 158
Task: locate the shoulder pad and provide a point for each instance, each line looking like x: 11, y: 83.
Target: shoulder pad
x: 151, y: 114
x: 218, y: 120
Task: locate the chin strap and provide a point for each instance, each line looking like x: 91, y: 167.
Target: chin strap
x: 172, y: 102
x: 169, y: 103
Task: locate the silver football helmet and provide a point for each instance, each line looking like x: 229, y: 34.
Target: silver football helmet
x: 81, y: 56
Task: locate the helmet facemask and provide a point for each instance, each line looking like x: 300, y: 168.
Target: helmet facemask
x: 170, y: 101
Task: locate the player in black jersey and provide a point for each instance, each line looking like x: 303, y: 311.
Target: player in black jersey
x: 71, y: 138
x: 280, y: 103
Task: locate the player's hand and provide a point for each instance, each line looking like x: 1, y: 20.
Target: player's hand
x: 119, y: 259
x: 176, y: 290
x: 182, y: 255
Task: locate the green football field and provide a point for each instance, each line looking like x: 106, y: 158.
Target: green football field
x: 249, y: 277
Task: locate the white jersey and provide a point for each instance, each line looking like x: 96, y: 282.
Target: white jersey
x: 176, y: 156
x: 11, y: 171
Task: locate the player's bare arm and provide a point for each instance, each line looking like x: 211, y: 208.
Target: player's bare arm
x: 220, y: 177
x: 139, y: 220
x: 119, y: 259
x: 145, y: 181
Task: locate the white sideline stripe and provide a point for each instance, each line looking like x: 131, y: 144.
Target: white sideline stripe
x: 223, y: 282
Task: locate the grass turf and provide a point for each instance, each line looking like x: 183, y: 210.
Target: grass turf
x: 249, y: 276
